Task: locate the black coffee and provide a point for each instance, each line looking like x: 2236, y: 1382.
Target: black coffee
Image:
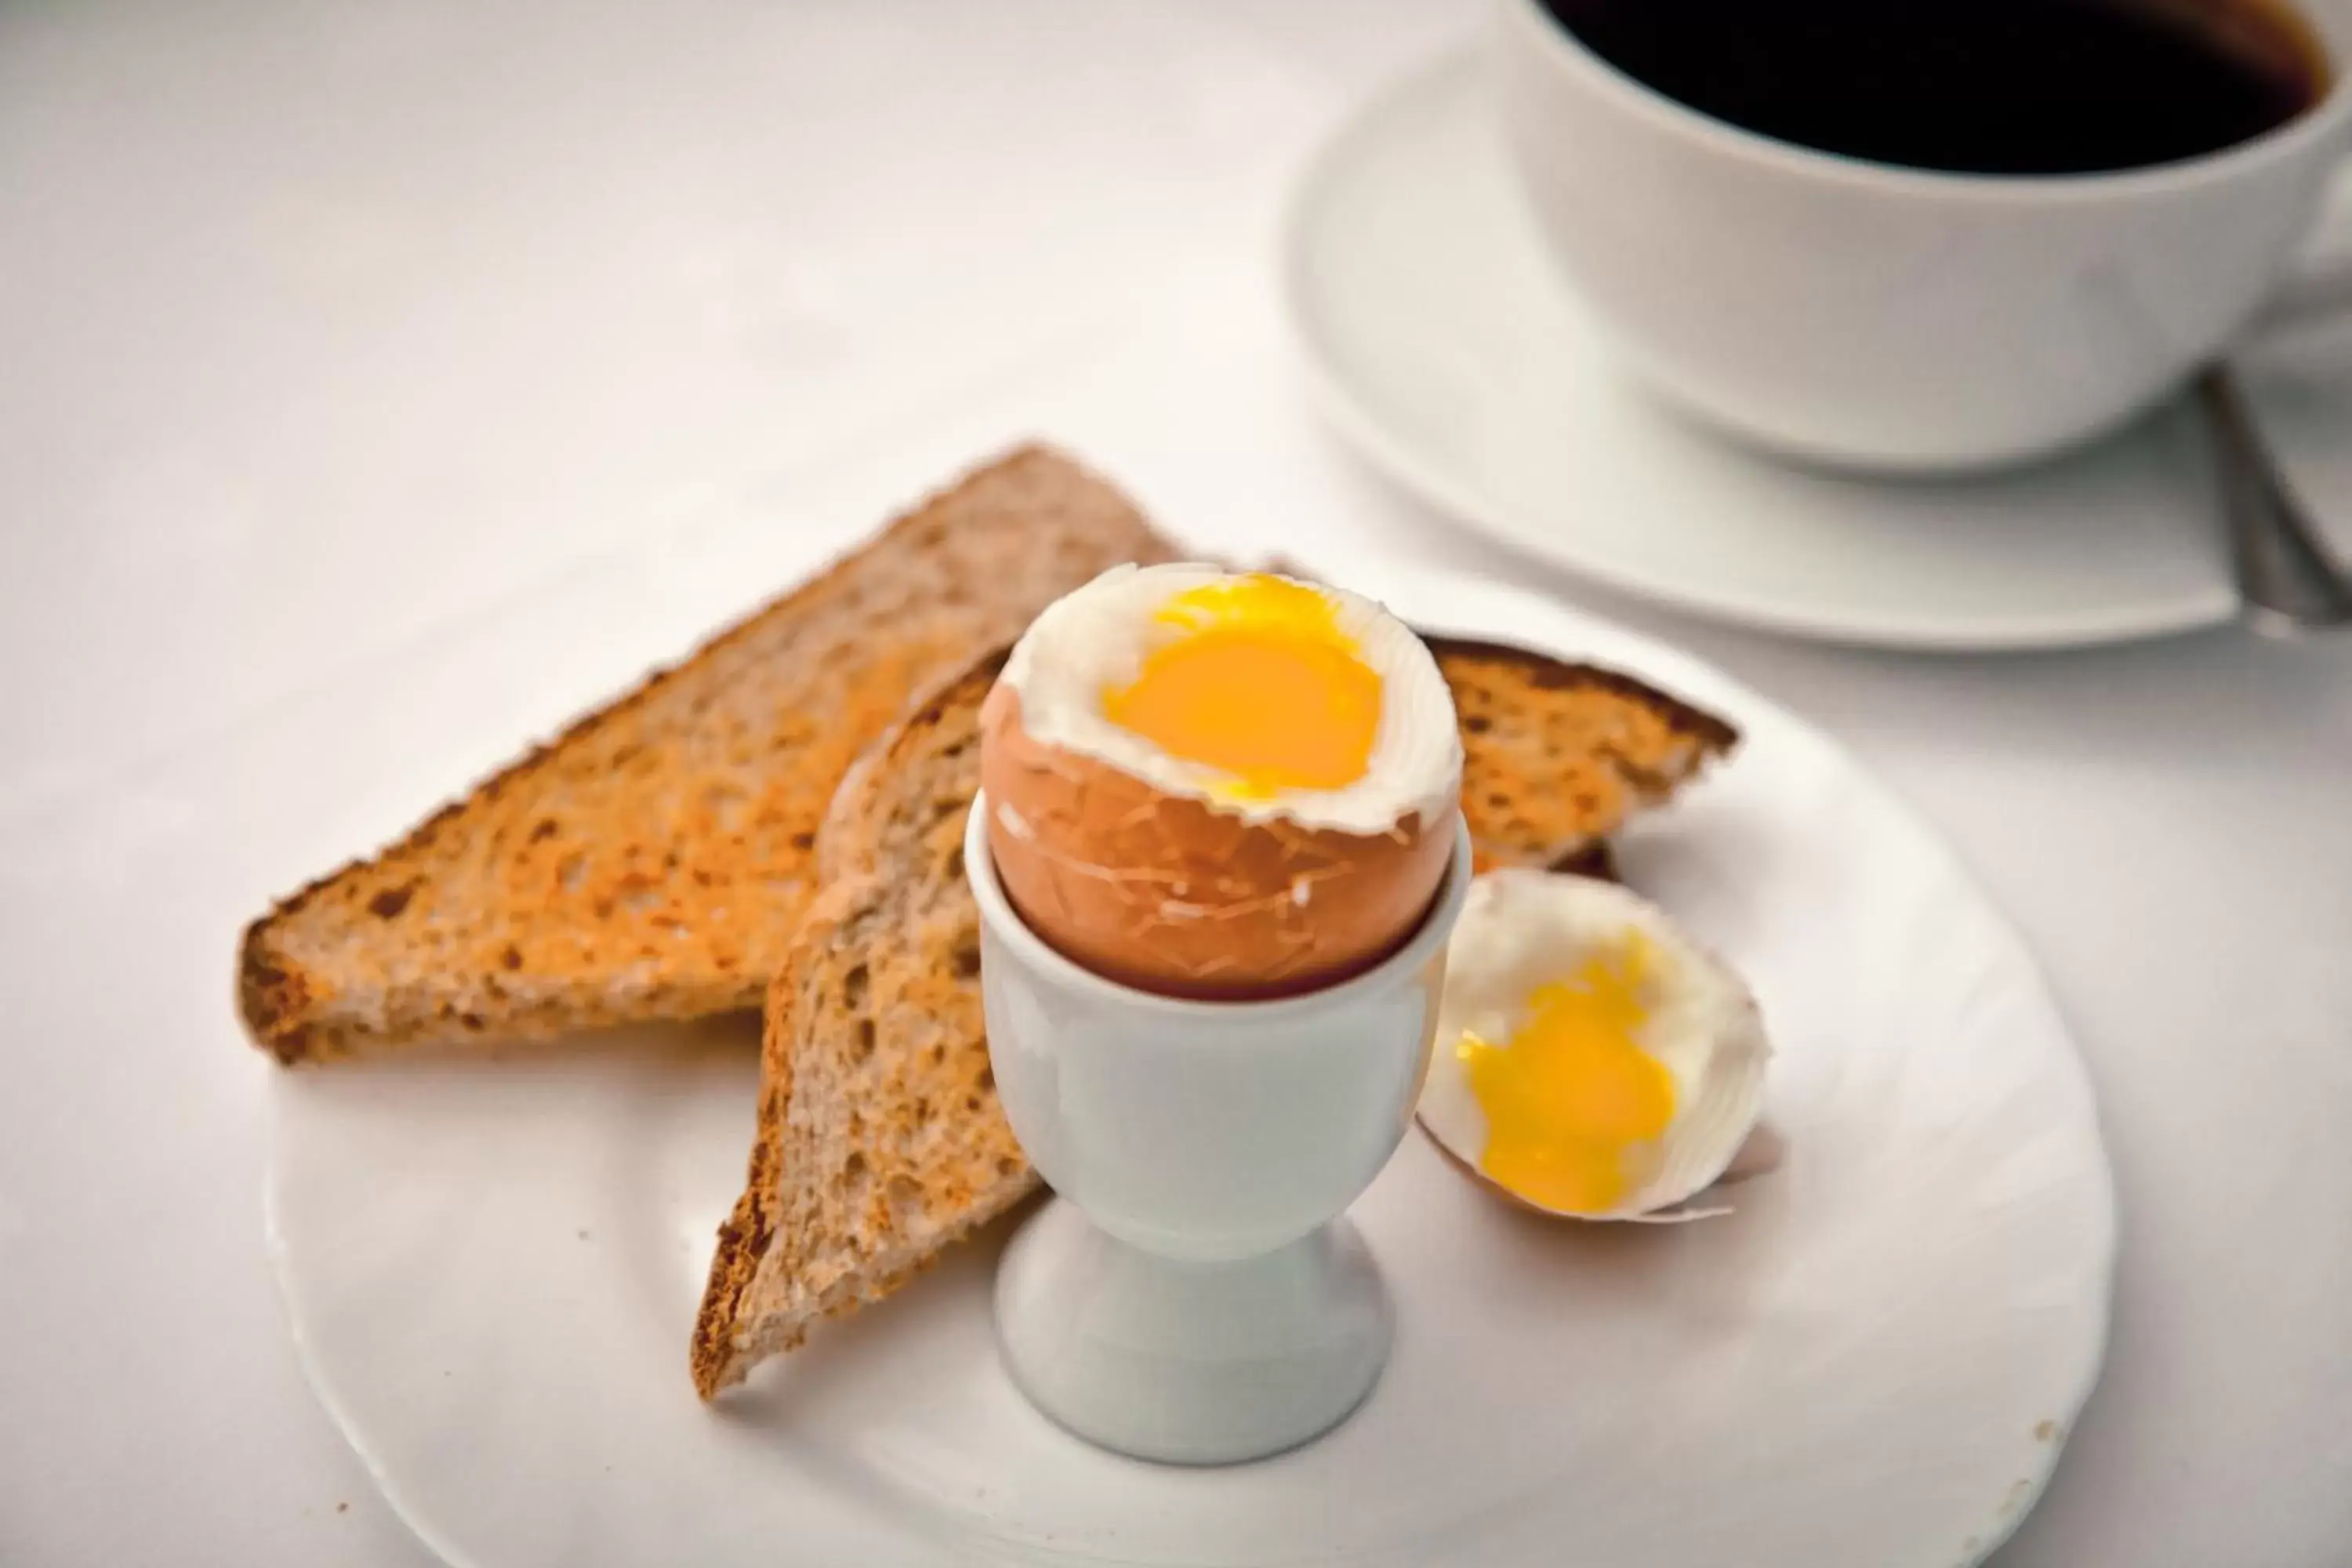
x: 1995, y: 87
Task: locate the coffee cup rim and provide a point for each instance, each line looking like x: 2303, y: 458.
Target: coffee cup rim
x: 2317, y: 123
x: 1434, y: 929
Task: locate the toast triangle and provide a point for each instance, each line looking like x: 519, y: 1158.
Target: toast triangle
x: 653, y: 862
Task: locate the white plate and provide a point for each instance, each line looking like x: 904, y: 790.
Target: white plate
x: 1449, y: 353
x: 492, y: 1268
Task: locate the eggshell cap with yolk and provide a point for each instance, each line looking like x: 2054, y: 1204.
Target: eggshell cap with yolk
x: 1593, y: 978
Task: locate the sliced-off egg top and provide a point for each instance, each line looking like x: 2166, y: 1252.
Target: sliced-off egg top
x: 1593, y: 1060
x: 1262, y: 684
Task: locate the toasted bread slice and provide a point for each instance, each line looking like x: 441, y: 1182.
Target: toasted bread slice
x: 880, y: 1139
x: 654, y: 861
x: 1556, y: 756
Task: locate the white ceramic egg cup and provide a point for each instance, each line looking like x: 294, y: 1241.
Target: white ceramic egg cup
x: 1191, y: 1295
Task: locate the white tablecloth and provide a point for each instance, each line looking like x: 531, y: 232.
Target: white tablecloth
x: 380, y: 383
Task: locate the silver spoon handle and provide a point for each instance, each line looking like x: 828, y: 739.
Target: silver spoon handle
x: 2285, y: 573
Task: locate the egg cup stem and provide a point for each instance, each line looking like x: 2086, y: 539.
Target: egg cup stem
x: 1192, y: 1296
x: 1190, y: 1363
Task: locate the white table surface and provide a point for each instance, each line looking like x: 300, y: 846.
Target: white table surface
x: 380, y: 383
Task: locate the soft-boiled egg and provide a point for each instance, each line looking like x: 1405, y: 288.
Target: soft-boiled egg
x: 1220, y: 785
x: 1591, y: 1059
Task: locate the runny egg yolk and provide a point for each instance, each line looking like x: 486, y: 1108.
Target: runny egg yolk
x: 1574, y: 1109
x: 1262, y: 685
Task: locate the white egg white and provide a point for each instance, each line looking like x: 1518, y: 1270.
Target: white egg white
x: 1524, y: 929
x: 1099, y: 635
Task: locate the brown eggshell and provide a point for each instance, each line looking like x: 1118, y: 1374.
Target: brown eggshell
x: 1174, y: 895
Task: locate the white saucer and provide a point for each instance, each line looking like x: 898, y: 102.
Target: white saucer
x: 1453, y: 357
x: 491, y: 1268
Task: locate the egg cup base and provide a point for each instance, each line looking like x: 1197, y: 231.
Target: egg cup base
x: 1190, y: 1363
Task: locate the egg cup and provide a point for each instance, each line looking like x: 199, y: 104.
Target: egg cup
x: 1191, y: 1295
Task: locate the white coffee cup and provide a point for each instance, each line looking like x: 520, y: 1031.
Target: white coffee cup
x: 1866, y: 314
